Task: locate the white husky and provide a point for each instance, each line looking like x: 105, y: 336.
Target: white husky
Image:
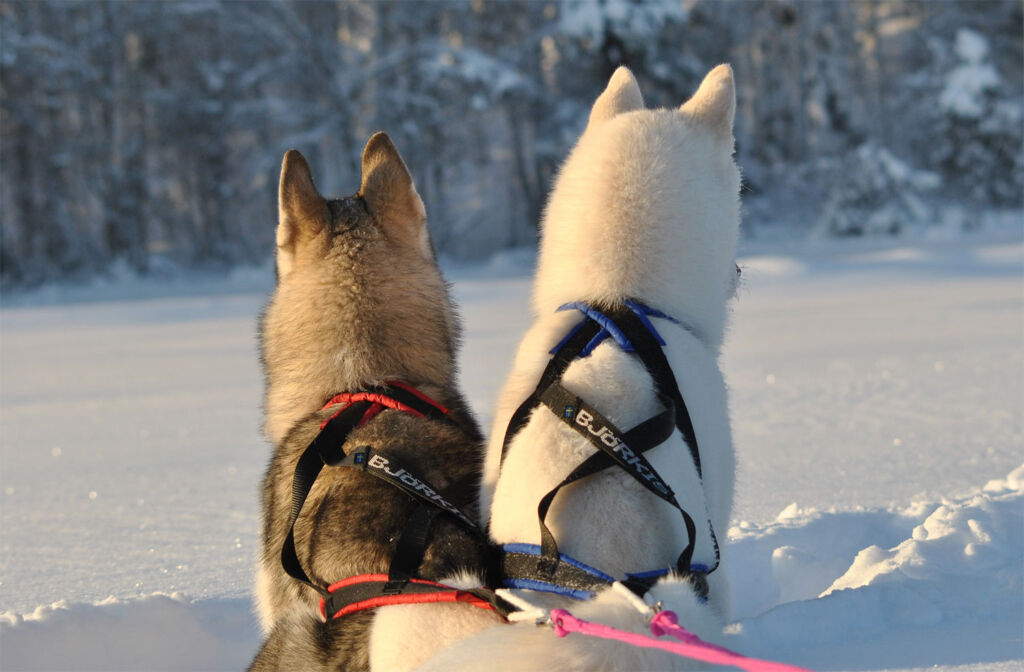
x: 646, y: 208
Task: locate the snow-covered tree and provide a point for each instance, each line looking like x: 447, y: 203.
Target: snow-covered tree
x: 980, y: 126
x: 147, y: 135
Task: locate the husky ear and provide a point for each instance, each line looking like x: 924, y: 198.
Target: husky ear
x: 390, y: 194
x: 621, y: 95
x: 302, y: 212
x: 714, y: 104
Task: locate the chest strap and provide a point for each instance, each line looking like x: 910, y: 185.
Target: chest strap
x: 398, y: 586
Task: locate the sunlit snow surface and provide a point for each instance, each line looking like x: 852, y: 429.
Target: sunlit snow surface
x: 877, y: 405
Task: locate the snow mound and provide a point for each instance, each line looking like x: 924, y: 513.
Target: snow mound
x: 981, y: 536
x: 899, y: 587
x: 156, y: 632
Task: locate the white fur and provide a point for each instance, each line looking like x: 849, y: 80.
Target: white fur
x: 646, y: 207
x: 524, y: 647
x: 424, y: 629
x: 404, y: 636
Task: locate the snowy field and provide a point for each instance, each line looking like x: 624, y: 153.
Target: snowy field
x: 877, y: 405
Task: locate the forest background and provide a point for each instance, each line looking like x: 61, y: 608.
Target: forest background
x: 146, y: 137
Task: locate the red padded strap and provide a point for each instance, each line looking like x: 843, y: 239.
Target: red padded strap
x: 443, y: 593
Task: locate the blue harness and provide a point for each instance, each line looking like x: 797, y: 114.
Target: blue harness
x: 543, y: 567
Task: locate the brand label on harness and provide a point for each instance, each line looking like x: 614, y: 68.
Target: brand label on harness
x: 382, y: 464
x: 610, y: 438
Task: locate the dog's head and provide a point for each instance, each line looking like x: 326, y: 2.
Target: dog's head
x: 359, y: 296
x: 386, y: 216
x: 647, y: 206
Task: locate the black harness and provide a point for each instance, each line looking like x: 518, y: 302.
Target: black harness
x: 398, y: 586
x: 513, y: 565
x: 544, y: 568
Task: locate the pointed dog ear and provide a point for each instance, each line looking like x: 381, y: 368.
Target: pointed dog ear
x: 714, y: 104
x: 390, y: 194
x: 301, y: 211
x: 621, y: 95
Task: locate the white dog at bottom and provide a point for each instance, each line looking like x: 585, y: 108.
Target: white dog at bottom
x: 645, y: 213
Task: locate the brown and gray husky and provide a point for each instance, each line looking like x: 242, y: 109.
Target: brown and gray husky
x: 359, y: 302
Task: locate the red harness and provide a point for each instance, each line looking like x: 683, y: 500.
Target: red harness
x: 416, y: 591
x: 380, y: 402
x: 368, y: 591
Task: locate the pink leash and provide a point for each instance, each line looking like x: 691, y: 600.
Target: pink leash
x: 666, y: 623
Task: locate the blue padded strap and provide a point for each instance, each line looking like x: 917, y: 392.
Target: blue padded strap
x: 545, y: 587
x: 608, y: 327
x: 534, y: 549
x: 643, y: 311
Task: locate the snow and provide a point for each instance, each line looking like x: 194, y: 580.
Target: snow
x: 967, y: 83
x: 877, y: 404
x: 970, y: 46
x: 927, y: 571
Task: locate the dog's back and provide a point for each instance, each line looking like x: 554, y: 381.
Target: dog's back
x: 359, y: 302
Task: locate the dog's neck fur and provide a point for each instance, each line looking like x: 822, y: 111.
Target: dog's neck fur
x: 353, y: 274
x: 330, y: 355
x: 647, y: 207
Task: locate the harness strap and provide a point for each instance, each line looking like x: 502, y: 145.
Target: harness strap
x: 396, y: 395
x: 309, y: 466
x: 411, y: 547
x: 368, y: 591
x: 615, y: 449
x: 563, y: 355
x: 387, y: 468
x: 637, y: 328
x: 327, y: 449
x: 634, y: 325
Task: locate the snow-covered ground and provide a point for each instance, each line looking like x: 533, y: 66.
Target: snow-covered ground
x: 878, y: 412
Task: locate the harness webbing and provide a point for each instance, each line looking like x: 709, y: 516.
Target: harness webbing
x: 614, y: 449
x: 398, y: 586
x: 368, y: 591
x: 629, y: 325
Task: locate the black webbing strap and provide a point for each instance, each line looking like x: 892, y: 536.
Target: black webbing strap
x: 647, y: 348
x: 569, y: 349
x: 624, y: 450
x: 589, y: 423
x: 653, y: 357
x: 573, y: 579
x: 327, y: 449
x: 310, y: 464
x: 412, y: 544
x: 387, y: 468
